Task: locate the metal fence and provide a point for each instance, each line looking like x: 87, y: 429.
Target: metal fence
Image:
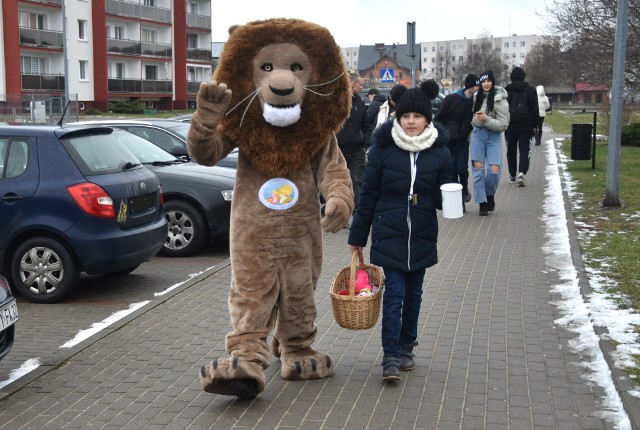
x: 38, y: 108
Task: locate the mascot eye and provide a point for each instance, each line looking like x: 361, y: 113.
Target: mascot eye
x: 268, y: 67
x: 295, y: 67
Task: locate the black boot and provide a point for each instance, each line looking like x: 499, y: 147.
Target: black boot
x: 491, y: 203
x: 484, y: 209
x: 466, y: 196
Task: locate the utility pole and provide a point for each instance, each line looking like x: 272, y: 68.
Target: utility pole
x: 612, y: 196
x: 411, y: 44
x: 65, y: 53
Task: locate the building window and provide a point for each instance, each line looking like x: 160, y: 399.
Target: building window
x: 513, y: 44
x: 522, y: 44
x: 506, y: 44
x: 150, y: 3
x: 149, y: 36
x: 192, y: 40
x: 151, y: 72
x: 433, y: 49
x: 83, y: 70
x: 119, y: 70
x: 33, y: 20
x: 193, y: 8
x: 82, y: 29
x: 522, y: 55
x: 33, y: 66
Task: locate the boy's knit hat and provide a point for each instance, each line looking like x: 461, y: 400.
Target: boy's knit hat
x: 418, y: 100
x: 471, y: 81
x: 396, y: 92
x: 517, y: 74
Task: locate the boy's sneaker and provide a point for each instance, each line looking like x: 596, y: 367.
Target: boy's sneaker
x: 512, y: 179
x: 521, y: 179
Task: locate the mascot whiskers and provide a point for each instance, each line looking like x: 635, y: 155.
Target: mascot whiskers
x: 278, y: 94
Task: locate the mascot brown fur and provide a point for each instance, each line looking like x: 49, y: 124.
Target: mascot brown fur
x: 279, y: 93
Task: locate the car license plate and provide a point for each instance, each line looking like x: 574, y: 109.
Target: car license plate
x: 8, y: 314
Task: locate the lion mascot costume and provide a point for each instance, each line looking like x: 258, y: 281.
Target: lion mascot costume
x: 279, y: 93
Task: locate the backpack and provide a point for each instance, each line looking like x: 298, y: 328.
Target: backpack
x: 519, y: 107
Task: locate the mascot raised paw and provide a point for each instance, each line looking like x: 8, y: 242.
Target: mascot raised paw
x: 278, y: 94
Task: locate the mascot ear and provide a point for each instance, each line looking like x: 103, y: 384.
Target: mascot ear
x: 233, y: 28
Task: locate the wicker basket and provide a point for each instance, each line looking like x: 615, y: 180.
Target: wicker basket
x: 356, y: 312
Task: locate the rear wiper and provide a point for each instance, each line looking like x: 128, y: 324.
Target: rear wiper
x: 163, y: 163
x: 129, y: 165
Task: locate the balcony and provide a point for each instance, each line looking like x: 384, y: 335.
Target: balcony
x: 193, y: 87
x: 199, y: 54
x: 139, y: 11
x: 139, y: 86
x: 43, y: 82
x: 199, y: 21
x: 48, y: 1
x: 137, y: 48
x: 41, y: 38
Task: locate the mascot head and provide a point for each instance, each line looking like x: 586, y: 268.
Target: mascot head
x: 290, y: 91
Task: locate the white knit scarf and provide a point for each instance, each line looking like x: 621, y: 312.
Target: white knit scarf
x: 414, y: 143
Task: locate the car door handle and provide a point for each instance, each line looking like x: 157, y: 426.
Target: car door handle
x: 10, y: 198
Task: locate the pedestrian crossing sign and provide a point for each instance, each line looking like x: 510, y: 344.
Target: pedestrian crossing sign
x: 386, y: 75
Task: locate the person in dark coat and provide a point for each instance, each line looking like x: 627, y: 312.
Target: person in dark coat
x: 353, y: 137
x: 408, y: 162
x: 521, y: 126
x: 456, y: 114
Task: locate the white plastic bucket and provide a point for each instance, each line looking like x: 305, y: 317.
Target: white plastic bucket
x: 451, y: 200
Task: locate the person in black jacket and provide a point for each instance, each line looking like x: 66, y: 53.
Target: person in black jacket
x: 456, y: 114
x: 353, y: 137
x: 522, y: 123
x: 408, y: 162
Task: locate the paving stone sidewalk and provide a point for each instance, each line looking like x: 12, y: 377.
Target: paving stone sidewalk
x: 490, y: 355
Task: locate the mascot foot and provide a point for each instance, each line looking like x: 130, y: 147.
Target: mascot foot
x: 305, y: 364
x: 233, y: 377
x: 275, y: 347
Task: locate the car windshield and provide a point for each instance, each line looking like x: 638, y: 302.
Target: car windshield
x: 145, y: 151
x: 182, y: 129
x: 98, y: 153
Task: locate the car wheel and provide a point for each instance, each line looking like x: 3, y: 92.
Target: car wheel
x: 187, y: 232
x: 43, y: 270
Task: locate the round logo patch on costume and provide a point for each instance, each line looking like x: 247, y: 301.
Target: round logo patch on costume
x: 278, y: 194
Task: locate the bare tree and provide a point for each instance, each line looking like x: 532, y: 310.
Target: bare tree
x: 483, y: 56
x: 587, y: 38
x: 546, y: 65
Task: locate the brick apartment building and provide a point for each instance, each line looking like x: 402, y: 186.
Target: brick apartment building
x: 156, y: 51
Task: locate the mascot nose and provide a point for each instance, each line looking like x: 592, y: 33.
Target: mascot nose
x: 281, y: 92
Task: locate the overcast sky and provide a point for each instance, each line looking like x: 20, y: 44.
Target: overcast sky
x: 365, y: 22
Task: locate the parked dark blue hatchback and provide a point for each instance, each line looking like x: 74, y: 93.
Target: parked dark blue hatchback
x: 73, y: 199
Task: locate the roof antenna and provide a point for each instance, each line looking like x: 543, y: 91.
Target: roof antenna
x: 64, y: 113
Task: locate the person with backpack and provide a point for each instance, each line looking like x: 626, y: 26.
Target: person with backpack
x: 456, y: 114
x: 523, y: 113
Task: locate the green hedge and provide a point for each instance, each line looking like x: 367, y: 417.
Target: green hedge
x: 134, y: 106
x: 631, y: 134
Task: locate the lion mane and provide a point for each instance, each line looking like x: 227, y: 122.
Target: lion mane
x: 325, y: 102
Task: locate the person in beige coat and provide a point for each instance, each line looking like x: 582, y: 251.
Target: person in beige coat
x: 543, y: 106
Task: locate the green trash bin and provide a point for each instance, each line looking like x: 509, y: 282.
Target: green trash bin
x: 581, y: 135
